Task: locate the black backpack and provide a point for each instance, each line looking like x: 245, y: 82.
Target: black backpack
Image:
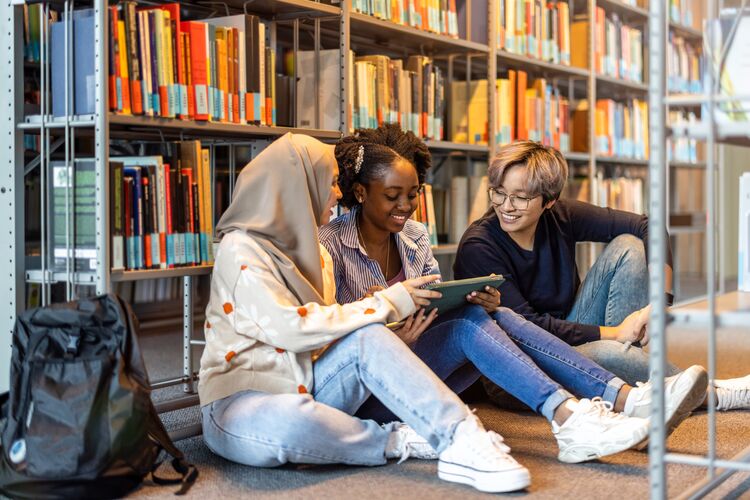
x: 78, y: 421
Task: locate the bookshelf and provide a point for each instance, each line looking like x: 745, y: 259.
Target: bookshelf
x: 292, y: 24
x: 718, y: 308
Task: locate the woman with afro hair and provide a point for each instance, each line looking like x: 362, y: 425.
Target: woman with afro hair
x: 376, y: 244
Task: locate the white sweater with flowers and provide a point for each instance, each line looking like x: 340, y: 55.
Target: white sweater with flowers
x: 258, y: 335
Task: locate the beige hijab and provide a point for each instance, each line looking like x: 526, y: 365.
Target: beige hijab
x: 278, y: 200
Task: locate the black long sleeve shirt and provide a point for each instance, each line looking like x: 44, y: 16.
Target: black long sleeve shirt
x: 542, y: 284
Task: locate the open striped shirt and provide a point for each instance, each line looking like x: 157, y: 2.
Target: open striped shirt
x: 355, y: 272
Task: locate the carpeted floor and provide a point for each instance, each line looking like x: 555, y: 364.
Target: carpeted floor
x: 621, y: 476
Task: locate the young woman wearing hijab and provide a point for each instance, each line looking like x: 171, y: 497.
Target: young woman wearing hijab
x: 285, y: 367
x: 376, y: 245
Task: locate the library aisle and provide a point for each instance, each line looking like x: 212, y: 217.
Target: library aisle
x: 126, y: 124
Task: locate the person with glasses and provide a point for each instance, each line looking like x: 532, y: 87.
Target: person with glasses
x: 376, y: 244
x: 529, y: 235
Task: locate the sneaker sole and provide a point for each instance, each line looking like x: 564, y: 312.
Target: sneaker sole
x: 488, y: 482
x: 584, y: 453
x: 692, y: 400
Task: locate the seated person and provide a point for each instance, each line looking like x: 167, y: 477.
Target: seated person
x: 285, y: 367
x: 376, y: 245
x: 529, y: 236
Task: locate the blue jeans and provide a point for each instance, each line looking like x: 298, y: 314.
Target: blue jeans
x: 525, y: 360
x: 614, y: 287
x: 268, y: 430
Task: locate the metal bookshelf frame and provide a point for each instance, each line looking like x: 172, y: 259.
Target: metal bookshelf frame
x: 718, y: 309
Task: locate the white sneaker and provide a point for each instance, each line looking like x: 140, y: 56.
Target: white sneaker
x: 594, y: 430
x: 480, y: 459
x: 684, y: 392
x: 733, y: 393
x: 404, y: 443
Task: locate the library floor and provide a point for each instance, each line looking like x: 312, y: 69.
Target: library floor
x: 621, y: 476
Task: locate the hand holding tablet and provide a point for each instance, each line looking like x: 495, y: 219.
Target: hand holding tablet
x: 455, y: 292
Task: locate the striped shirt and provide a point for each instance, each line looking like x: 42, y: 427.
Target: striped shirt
x: 355, y: 272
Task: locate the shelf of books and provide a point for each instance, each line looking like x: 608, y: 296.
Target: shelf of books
x: 628, y: 11
x: 545, y: 68
x: 211, y: 129
x: 607, y: 85
x: 388, y: 33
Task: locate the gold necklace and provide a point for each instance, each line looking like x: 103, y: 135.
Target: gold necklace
x: 387, y: 253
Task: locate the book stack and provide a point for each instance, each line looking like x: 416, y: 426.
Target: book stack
x: 620, y: 128
x: 619, y: 192
x: 525, y: 110
x: 436, y: 16
x: 535, y: 28
x: 682, y: 148
x: 618, y: 50
x: 162, y: 210
x: 32, y: 29
x: 683, y: 66
x: 425, y: 213
x: 686, y: 12
x: 410, y: 93
x: 218, y: 69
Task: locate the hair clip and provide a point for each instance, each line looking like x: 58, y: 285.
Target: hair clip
x: 360, y: 159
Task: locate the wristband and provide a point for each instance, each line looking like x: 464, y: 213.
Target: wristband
x: 670, y: 298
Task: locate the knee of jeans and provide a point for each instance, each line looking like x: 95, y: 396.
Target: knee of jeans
x: 372, y: 334
x: 603, y: 352
x: 474, y: 313
x: 630, y: 247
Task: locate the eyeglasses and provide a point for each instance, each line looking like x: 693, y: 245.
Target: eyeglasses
x: 518, y: 202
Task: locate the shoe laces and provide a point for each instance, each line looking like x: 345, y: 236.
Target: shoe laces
x: 499, y: 441
x: 408, y: 447
x: 603, y: 409
x: 731, y: 395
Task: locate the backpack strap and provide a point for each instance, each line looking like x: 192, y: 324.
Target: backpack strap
x: 188, y: 472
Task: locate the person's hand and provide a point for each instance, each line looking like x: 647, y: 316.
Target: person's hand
x: 489, y: 299
x: 633, y: 328
x: 420, y: 296
x: 415, y: 325
x: 371, y: 291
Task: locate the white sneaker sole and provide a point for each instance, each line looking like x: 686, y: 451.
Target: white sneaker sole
x: 693, y: 398
x: 584, y: 452
x: 489, y: 482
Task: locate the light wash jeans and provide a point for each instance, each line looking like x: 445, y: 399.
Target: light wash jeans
x: 614, y: 287
x: 527, y: 361
x: 268, y: 430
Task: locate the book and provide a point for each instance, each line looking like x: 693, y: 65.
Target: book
x: 74, y: 226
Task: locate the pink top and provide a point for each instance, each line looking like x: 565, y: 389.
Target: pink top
x: 398, y: 278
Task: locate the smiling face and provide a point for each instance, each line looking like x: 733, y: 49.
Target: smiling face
x: 513, y: 220
x: 333, y: 197
x: 388, y: 201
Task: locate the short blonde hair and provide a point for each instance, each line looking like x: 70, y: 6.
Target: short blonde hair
x: 546, y: 167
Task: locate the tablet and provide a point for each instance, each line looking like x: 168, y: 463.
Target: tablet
x: 455, y: 292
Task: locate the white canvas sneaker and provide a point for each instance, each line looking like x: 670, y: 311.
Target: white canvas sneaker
x: 405, y: 443
x: 733, y: 393
x: 684, y: 392
x: 594, y: 430
x: 480, y: 459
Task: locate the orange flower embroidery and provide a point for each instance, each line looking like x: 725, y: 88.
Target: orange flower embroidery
x: 302, y: 389
x: 228, y: 308
x: 369, y: 311
x: 280, y: 351
x: 243, y: 267
x: 208, y: 325
x: 322, y: 262
x: 302, y: 311
x: 229, y: 356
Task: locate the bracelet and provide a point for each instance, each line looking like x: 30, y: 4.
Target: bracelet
x: 670, y: 298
